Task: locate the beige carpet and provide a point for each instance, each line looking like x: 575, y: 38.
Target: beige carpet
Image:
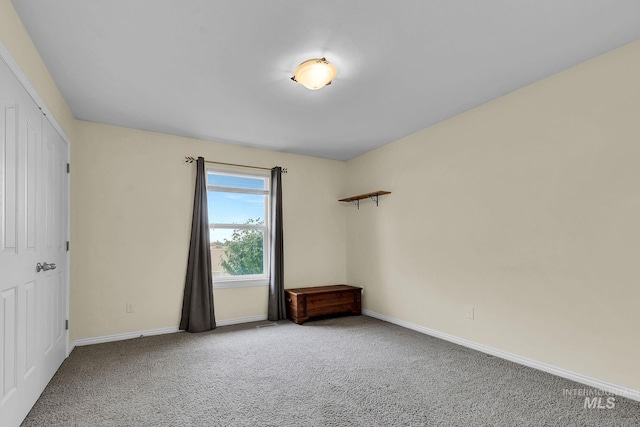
x: 350, y: 371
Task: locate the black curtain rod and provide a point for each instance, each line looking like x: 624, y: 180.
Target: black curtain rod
x: 189, y: 159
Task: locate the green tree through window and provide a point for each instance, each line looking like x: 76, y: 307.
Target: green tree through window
x: 243, y: 252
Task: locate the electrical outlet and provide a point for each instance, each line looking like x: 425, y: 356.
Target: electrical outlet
x: 470, y: 313
x: 129, y: 307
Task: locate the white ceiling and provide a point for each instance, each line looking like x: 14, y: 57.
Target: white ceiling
x: 220, y: 70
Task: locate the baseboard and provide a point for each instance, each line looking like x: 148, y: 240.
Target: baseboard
x: 125, y: 336
x: 583, y: 379
x: 150, y: 332
x: 239, y: 320
x: 70, y: 347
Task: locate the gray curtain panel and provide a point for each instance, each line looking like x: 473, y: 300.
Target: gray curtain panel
x: 197, y: 305
x: 277, y: 308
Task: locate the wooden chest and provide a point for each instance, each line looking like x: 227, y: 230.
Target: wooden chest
x: 303, y: 303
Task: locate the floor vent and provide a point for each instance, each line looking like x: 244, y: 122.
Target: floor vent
x: 266, y: 325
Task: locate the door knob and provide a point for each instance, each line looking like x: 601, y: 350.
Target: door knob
x: 45, y: 267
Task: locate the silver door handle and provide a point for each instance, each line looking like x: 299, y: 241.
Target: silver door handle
x: 45, y: 267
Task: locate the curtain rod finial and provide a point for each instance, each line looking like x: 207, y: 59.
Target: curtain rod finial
x: 189, y: 159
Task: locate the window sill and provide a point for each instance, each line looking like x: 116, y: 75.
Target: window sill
x: 239, y: 283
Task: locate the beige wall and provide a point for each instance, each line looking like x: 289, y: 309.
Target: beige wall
x: 16, y: 40
x: 131, y: 201
x: 528, y: 210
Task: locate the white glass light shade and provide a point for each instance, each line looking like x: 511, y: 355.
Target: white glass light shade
x: 315, y: 73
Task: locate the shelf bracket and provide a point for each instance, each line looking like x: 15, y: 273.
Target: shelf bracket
x: 375, y: 199
x: 357, y: 203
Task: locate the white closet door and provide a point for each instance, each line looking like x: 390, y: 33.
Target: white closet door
x: 33, y: 229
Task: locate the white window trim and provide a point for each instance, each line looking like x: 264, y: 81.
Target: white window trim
x: 238, y: 189
x: 227, y: 283
x: 247, y: 281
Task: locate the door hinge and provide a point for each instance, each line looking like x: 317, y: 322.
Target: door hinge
x: 66, y: 325
x: 67, y: 246
x: 68, y: 167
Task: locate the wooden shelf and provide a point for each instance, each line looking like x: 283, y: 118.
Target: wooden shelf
x: 373, y: 196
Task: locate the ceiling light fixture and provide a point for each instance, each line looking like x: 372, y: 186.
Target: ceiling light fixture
x: 315, y: 73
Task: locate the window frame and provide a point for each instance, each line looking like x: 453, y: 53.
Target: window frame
x: 248, y: 280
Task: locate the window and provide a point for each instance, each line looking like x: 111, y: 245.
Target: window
x: 238, y: 207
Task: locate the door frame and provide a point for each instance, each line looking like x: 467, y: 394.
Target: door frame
x: 24, y: 81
